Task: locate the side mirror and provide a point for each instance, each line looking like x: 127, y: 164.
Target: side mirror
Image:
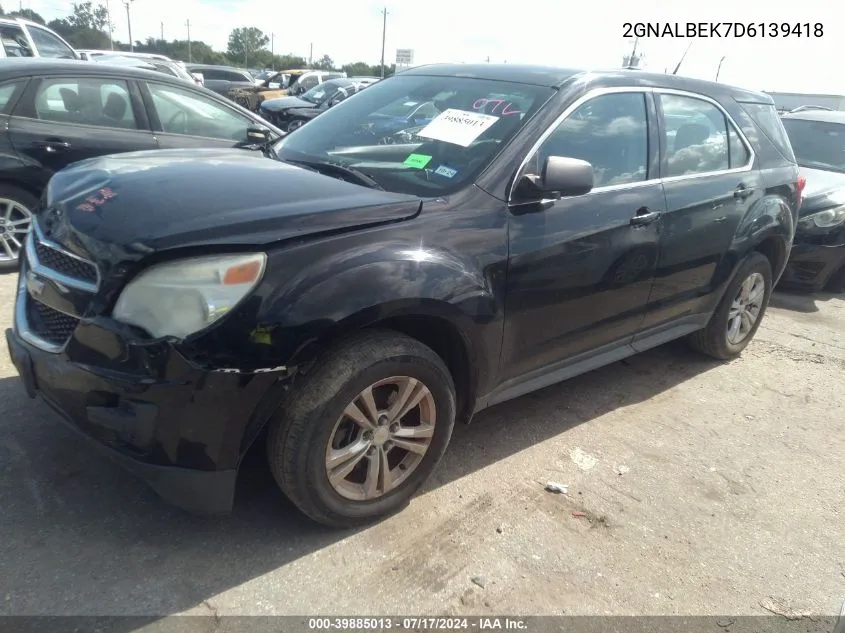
x: 560, y: 177
x: 257, y: 135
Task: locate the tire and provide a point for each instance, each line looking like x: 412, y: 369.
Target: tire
x: 836, y: 283
x: 15, y: 204
x: 714, y: 340
x: 313, y: 415
x: 294, y: 125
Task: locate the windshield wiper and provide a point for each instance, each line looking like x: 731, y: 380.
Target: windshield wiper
x: 329, y: 168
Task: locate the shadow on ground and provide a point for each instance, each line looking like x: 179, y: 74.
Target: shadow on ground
x: 78, y: 535
x: 801, y: 301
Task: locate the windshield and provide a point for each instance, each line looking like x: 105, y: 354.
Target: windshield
x: 416, y: 134
x: 320, y: 92
x: 817, y: 144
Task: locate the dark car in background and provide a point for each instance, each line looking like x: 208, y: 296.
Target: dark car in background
x: 354, y: 299
x: 54, y: 113
x: 289, y: 113
x: 222, y: 79
x: 818, y: 255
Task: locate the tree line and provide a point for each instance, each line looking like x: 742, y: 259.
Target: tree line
x: 87, y: 27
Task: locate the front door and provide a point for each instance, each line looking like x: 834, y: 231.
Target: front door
x: 710, y: 185
x: 61, y: 120
x: 580, y: 272
x: 183, y: 117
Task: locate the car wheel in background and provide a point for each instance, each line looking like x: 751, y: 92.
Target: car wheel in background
x: 295, y: 125
x: 16, y: 206
x: 359, y: 436
x: 738, y: 316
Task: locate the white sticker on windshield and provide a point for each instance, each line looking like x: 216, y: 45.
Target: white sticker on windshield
x: 408, y: 104
x: 319, y: 94
x: 458, y: 127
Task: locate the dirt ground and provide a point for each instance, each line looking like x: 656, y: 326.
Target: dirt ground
x: 705, y: 488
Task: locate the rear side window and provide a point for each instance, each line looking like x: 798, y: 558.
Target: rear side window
x: 766, y: 117
x: 9, y: 93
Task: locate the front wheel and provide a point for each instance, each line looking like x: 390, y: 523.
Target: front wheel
x: 738, y: 316
x: 357, y: 438
x: 16, y: 206
x: 295, y: 125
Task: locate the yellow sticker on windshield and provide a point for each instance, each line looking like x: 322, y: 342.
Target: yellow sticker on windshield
x: 417, y: 161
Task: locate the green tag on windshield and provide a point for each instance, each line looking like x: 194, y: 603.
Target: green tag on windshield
x: 417, y: 161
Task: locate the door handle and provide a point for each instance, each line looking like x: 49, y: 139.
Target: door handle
x: 53, y: 146
x: 644, y: 216
x: 742, y: 192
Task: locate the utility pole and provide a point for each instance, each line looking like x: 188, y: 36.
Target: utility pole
x: 108, y: 16
x: 273, y: 51
x: 129, y: 24
x: 311, y: 55
x: 188, y: 24
x: 162, y: 31
x: 383, y: 38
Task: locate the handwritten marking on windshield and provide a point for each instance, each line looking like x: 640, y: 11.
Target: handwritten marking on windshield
x: 505, y: 108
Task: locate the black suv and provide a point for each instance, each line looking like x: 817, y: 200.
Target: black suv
x: 355, y: 288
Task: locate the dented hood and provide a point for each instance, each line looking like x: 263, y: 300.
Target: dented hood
x: 137, y: 203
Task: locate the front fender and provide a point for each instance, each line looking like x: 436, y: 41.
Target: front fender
x: 342, y: 293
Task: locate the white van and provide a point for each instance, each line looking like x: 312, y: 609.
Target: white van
x: 23, y: 38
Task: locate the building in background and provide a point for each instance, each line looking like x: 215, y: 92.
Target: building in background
x: 786, y: 101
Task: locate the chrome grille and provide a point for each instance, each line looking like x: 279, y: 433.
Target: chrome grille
x: 58, y: 261
x: 36, y: 322
x: 47, y: 324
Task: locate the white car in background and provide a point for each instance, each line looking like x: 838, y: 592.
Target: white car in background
x: 161, y: 63
x: 24, y: 38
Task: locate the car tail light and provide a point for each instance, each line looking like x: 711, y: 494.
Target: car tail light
x: 799, y: 191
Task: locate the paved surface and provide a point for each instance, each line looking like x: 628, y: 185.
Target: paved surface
x: 730, y: 496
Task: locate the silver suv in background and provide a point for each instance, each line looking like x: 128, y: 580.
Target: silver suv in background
x: 24, y: 38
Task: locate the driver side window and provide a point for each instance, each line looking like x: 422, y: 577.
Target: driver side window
x: 610, y: 132
x: 185, y: 112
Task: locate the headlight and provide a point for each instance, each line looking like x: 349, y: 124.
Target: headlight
x: 823, y: 219
x: 182, y: 297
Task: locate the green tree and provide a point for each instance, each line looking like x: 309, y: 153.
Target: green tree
x: 80, y: 37
x: 86, y: 16
x: 358, y: 69
x: 324, y: 63
x: 27, y: 14
x: 245, y: 42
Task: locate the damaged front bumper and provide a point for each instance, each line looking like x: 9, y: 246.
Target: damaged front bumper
x: 181, y: 428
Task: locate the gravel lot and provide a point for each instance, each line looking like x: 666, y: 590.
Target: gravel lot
x: 706, y: 488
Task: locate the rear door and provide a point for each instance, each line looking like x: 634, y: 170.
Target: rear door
x: 61, y: 120
x: 709, y: 183
x: 184, y: 117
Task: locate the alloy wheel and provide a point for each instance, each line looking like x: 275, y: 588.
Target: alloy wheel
x: 746, y: 308
x: 15, y: 222
x: 381, y: 438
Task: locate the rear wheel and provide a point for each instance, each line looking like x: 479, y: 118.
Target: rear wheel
x: 738, y: 316
x: 16, y: 206
x: 357, y: 438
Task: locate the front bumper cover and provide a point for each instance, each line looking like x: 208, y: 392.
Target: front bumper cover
x: 181, y: 429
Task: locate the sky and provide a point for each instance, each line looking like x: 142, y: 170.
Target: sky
x: 548, y: 32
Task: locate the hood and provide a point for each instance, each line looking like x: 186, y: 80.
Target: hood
x: 824, y: 189
x: 128, y: 206
x: 285, y: 103
x: 305, y: 113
